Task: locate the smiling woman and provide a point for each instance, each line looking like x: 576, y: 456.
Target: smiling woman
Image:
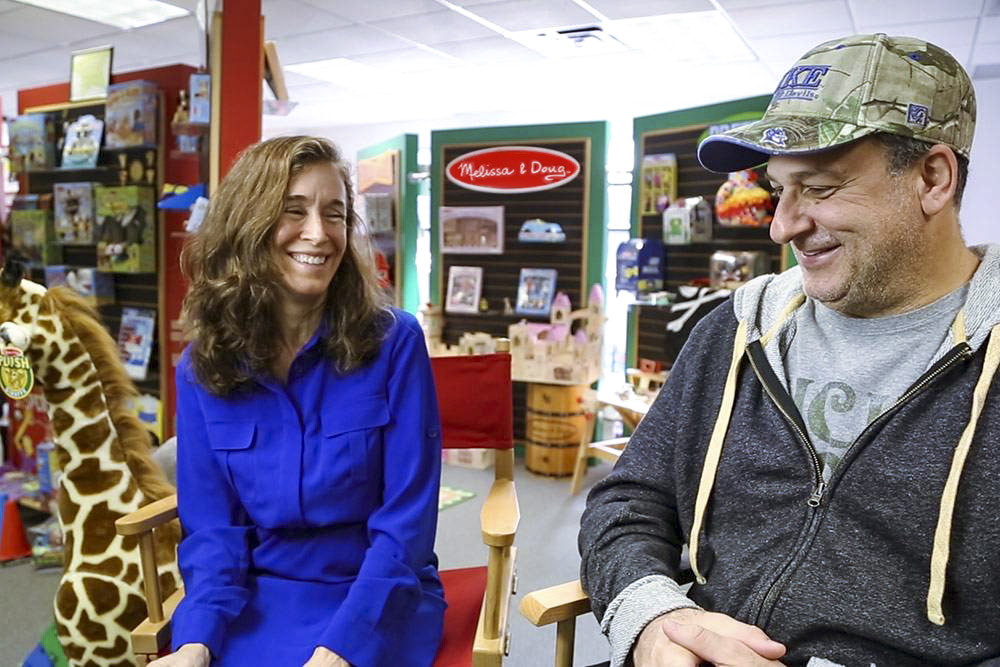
x: 308, y: 432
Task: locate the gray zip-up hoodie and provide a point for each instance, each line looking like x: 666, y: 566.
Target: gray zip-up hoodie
x: 895, y: 561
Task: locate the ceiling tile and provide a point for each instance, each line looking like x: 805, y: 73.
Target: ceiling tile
x: 378, y: 10
x: 892, y: 12
x: 989, y: 29
x: 629, y: 9
x: 52, y: 27
x: 693, y: 37
x: 986, y: 54
x: 802, y: 17
x: 336, y: 43
x: 955, y: 37
x: 770, y: 5
x: 778, y: 53
x: 290, y: 17
x: 406, y: 60
x: 530, y: 15
x: 489, y: 50
x: 435, y: 27
x: 7, y: 5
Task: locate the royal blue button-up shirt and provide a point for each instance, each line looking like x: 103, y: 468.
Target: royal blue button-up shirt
x: 332, y: 478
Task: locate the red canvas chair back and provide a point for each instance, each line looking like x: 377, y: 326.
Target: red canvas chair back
x: 475, y: 399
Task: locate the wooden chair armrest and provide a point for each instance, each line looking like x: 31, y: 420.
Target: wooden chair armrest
x: 146, y: 518
x: 150, y: 637
x: 555, y: 603
x: 500, y: 514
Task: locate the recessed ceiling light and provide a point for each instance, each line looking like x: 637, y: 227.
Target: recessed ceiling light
x: 122, y: 14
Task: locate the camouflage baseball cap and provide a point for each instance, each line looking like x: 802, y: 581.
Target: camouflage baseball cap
x: 848, y: 88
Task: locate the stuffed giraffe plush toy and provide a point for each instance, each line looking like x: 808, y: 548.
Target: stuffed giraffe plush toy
x: 104, y: 455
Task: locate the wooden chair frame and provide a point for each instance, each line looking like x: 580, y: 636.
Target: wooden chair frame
x: 561, y: 605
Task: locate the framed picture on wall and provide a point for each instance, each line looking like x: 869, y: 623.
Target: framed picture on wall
x: 465, y: 284
x: 471, y: 230
x: 535, y: 290
x: 90, y: 73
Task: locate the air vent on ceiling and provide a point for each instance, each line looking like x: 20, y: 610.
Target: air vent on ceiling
x: 584, y: 40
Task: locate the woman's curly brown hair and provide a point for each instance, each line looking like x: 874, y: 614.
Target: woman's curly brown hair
x: 231, y: 308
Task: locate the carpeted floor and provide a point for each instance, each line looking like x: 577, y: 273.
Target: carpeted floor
x: 546, y: 556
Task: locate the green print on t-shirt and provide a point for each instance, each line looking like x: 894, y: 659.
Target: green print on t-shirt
x: 835, y: 415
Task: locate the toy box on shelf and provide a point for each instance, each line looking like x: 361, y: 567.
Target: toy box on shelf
x: 126, y: 231
x: 33, y: 235
x: 74, y: 212
x: 95, y: 287
x: 130, y: 118
x: 553, y: 352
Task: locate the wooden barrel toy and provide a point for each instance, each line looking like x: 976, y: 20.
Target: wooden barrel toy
x: 555, y: 422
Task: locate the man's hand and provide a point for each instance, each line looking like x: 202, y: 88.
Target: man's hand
x: 188, y: 655
x: 324, y: 657
x: 689, y: 637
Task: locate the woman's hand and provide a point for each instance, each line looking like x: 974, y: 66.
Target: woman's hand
x: 324, y: 657
x: 188, y: 655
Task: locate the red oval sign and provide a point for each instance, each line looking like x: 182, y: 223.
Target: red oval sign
x: 512, y: 169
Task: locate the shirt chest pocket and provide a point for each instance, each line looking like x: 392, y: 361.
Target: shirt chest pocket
x: 233, y: 445
x: 350, y: 449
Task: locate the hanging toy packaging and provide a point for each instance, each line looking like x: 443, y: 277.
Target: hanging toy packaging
x: 743, y: 201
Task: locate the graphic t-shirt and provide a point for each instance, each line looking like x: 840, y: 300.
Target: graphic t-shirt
x: 843, y: 372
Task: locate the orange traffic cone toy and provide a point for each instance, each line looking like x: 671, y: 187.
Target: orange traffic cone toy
x: 13, y: 541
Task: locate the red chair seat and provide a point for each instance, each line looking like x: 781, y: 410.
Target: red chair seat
x: 463, y: 590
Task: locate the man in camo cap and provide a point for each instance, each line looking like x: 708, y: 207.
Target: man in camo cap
x: 825, y: 444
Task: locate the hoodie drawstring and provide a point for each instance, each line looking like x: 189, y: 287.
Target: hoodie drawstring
x: 942, y: 534
x: 714, y: 452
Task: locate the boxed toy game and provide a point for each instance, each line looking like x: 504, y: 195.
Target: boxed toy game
x: 32, y: 235
x: 130, y: 119
x: 201, y: 98
x: 83, y: 143
x: 95, y: 287
x: 689, y: 220
x: 32, y: 142
x: 74, y: 212
x: 732, y: 268
x: 126, y: 229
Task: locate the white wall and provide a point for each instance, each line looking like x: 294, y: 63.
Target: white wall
x: 980, y: 213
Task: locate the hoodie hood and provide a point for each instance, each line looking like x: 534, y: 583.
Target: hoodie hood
x: 762, y: 303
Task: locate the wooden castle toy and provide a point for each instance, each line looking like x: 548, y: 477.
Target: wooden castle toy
x: 567, y: 350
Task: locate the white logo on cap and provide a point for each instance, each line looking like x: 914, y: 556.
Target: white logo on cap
x: 776, y: 136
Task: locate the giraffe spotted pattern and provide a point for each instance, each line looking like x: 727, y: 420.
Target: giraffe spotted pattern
x: 106, y: 473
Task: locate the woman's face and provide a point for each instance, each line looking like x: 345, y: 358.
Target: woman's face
x: 311, y: 235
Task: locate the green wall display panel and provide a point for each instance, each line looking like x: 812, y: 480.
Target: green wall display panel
x: 677, y: 133
x: 391, y: 207
x: 577, y: 204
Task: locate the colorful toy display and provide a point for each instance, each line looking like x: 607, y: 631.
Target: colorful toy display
x: 741, y: 200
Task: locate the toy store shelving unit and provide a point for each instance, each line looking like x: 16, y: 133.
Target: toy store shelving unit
x: 163, y: 290
x: 679, y: 132
x: 402, y: 150
x: 579, y: 206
